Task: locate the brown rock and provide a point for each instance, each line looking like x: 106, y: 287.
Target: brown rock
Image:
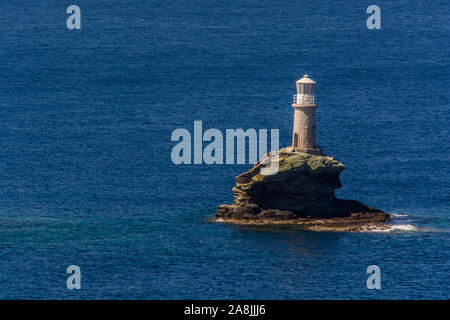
x: 301, y: 192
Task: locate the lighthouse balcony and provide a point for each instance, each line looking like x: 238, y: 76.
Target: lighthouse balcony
x: 304, y: 99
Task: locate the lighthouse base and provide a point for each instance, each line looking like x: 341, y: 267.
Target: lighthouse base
x: 316, y: 151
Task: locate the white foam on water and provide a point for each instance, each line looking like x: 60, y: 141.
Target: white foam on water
x: 403, y: 227
x: 393, y: 228
x: 398, y: 215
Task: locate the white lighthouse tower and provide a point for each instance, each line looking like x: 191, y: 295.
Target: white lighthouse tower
x: 304, y: 134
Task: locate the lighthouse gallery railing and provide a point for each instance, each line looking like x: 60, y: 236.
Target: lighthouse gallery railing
x: 300, y: 99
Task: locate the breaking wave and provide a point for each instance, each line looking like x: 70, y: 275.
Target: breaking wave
x: 392, y: 228
x: 403, y: 227
x: 397, y: 215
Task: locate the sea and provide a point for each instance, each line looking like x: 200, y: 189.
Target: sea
x: 86, y: 170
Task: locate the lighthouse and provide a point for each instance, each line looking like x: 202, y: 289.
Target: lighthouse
x: 304, y: 133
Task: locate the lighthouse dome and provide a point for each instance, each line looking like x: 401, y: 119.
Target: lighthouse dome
x: 305, y: 79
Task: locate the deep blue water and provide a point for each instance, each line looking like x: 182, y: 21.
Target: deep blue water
x: 86, y: 176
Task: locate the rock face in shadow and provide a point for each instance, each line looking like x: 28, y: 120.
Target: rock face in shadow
x: 301, y: 191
